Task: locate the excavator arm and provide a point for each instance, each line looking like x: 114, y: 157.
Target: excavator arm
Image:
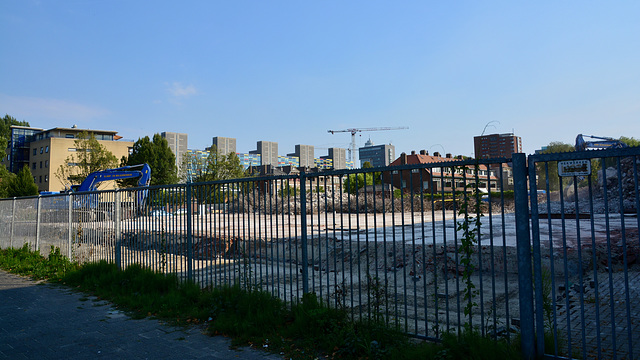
x: 141, y: 171
x: 597, y: 142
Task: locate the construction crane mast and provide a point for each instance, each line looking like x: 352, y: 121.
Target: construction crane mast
x: 352, y: 150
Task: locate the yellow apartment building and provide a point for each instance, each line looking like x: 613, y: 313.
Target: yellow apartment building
x: 44, y: 151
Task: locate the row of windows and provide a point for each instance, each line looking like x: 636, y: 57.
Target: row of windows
x: 42, y: 150
x: 46, y: 179
x: 46, y: 164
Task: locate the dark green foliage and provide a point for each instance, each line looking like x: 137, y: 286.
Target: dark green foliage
x: 468, y: 345
x: 304, y: 330
x: 21, y: 185
x: 5, y: 126
x: 158, y: 155
x: 630, y: 141
x: 248, y: 316
x: 23, y: 261
x: 554, y: 184
x: 142, y: 291
x: 355, y: 182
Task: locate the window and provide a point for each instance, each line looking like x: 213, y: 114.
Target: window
x: 35, y: 151
x: 46, y: 163
x: 33, y: 166
x: 46, y: 149
x: 46, y: 178
x: 40, y: 164
x: 68, y: 136
x: 71, y: 149
x: 41, y: 149
x: 41, y: 178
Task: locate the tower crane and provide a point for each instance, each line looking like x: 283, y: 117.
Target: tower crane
x: 352, y: 150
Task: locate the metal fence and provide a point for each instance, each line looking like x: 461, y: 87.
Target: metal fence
x: 428, y: 248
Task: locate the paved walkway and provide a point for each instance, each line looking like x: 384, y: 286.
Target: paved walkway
x: 43, y: 321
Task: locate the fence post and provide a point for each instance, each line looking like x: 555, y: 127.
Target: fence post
x: 537, y: 259
x: 13, y: 219
x: 70, y: 227
x: 38, y: 210
x: 303, y: 235
x: 523, y: 238
x: 118, y: 234
x: 189, y: 234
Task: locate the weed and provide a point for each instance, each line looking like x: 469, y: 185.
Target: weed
x: 470, y: 228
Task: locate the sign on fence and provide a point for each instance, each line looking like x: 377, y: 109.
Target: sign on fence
x: 574, y: 168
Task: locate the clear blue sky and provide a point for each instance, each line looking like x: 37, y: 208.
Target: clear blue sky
x: 288, y: 71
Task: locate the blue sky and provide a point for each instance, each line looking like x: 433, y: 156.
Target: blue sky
x: 288, y: 71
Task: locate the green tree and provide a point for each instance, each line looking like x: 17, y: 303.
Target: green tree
x: 158, y: 155
x: 221, y: 167
x: 554, y: 184
x: 629, y: 141
x: 354, y: 182
x: 21, y: 184
x: 90, y: 156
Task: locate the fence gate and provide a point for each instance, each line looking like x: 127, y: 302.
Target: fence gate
x: 584, y: 213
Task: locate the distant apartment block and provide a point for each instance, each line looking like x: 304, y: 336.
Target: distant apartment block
x: 225, y: 145
x: 178, y: 143
x: 305, y: 155
x: 377, y: 155
x: 338, y: 157
x: 268, y: 151
x: 496, y: 146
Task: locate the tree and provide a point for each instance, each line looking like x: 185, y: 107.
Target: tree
x: 552, y: 166
x: 221, y: 167
x: 21, y: 184
x: 158, y: 155
x: 354, y: 182
x: 629, y: 141
x: 90, y: 156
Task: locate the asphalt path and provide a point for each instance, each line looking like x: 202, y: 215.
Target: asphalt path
x: 45, y: 321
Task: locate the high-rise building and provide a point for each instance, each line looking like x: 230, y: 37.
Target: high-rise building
x: 268, y: 151
x: 497, y: 145
x: 305, y: 155
x: 338, y: 157
x: 377, y: 155
x: 225, y: 145
x: 178, y: 143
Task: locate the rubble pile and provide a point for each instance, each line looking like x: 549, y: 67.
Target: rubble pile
x: 627, y: 186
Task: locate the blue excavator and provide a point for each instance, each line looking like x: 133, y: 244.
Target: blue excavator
x: 597, y: 142
x: 91, y: 182
x: 87, y: 207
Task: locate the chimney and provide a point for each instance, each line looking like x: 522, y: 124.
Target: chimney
x: 448, y: 156
x: 436, y: 154
x: 413, y: 152
x: 403, y: 159
x: 424, y: 152
x: 459, y: 157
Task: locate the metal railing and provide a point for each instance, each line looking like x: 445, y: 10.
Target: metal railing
x: 428, y: 248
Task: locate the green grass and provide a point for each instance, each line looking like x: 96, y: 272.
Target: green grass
x: 304, y: 330
x: 29, y: 263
